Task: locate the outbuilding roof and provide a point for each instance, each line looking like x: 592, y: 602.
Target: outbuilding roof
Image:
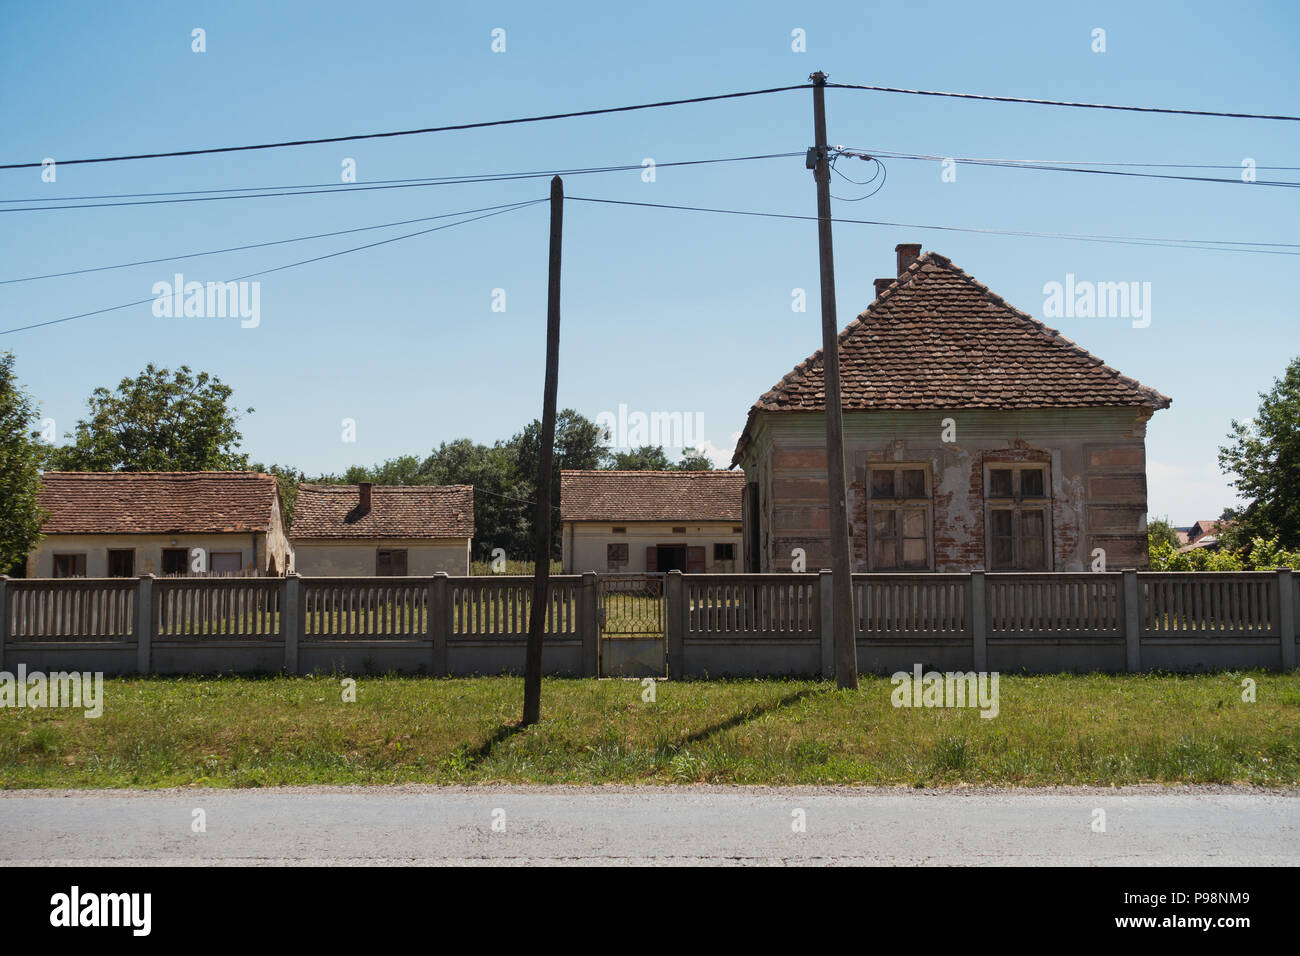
x: 396, y: 511
x: 651, y: 495
x: 157, y: 502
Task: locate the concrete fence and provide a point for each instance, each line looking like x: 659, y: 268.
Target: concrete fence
x: 436, y: 625
x: 715, y: 625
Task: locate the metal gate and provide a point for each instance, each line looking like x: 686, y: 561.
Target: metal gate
x: 630, y: 611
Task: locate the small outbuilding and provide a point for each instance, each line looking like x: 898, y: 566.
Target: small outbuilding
x: 382, y: 530
x: 124, y: 524
x: 651, y: 521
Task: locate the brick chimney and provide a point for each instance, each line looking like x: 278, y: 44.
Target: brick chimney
x: 881, y: 286
x: 364, y: 487
x: 908, y: 252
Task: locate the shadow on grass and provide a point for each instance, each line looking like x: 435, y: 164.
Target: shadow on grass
x: 746, y: 715
x: 473, y: 758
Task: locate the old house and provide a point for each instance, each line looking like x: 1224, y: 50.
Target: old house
x: 975, y: 437
x: 651, y: 521
x: 123, y: 524
x: 367, y: 529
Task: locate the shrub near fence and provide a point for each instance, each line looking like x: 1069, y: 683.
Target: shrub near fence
x: 715, y: 624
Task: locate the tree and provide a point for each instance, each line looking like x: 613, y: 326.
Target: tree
x: 1264, y: 459
x: 1161, y: 531
x: 503, y: 504
x: 288, y: 479
x: 20, y: 462
x: 694, y: 460
x: 645, y: 458
x: 579, y: 444
x: 157, y: 421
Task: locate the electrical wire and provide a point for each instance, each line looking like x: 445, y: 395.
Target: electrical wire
x: 411, y: 132
x: 258, y: 245
x: 1038, y: 102
x: 291, y: 265
x: 202, y: 195
x: 1217, y: 245
x: 1019, y: 164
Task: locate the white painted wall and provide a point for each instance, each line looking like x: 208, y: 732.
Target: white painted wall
x: 346, y: 558
x: 584, y: 543
x: 148, y: 550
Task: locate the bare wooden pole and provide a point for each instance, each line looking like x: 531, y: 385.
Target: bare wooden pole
x: 846, y: 653
x: 542, y: 531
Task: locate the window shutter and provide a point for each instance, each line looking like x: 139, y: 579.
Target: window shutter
x: 652, y: 558
x: 399, y: 563
x: 695, y: 559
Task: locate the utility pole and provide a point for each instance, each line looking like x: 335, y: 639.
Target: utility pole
x: 542, y: 531
x: 846, y: 652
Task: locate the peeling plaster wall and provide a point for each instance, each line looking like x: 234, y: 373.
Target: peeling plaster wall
x: 1097, y: 471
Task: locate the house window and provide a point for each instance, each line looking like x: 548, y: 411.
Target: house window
x: 679, y: 530
x: 121, y: 563
x: 620, y: 530
x: 390, y: 562
x: 69, y: 565
x: 724, y: 551
x: 898, y: 531
x: 175, y: 561
x: 226, y: 562
x: 616, y: 556
x: 1019, y: 502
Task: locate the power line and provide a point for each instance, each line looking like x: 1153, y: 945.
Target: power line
x: 412, y: 132
x: 1218, y: 245
x: 261, y: 245
x: 291, y: 265
x: 312, y: 189
x: 1038, y: 102
x: 1021, y: 164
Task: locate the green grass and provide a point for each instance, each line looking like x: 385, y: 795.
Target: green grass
x: 246, y: 732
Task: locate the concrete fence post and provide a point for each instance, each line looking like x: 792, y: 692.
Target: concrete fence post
x: 439, y: 623
x: 588, y: 626
x: 979, y: 622
x: 1286, y: 616
x: 4, y: 617
x: 291, y: 619
x: 674, y: 623
x: 825, y: 613
x: 144, y: 624
x: 1132, y: 622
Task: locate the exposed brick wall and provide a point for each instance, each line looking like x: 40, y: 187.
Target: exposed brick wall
x: 1098, y: 491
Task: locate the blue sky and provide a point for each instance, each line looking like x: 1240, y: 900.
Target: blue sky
x: 662, y: 310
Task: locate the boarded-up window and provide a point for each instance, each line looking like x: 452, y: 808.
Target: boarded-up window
x: 1019, y: 504
x: 390, y: 562
x: 616, y: 556
x: 898, y: 532
x: 69, y: 565
x: 226, y: 562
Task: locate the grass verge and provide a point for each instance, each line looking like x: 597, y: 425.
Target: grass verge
x: 1060, y: 729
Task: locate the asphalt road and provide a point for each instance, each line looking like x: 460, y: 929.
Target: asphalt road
x: 652, y: 825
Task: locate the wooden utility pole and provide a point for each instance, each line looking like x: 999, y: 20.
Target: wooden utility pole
x: 846, y: 652
x: 542, y: 531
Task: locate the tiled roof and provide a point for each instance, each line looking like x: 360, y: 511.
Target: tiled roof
x: 396, y: 511
x: 156, y: 502
x: 651, y: 495
x: 936, y: 338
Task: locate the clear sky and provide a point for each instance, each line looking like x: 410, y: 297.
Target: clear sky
x: 662, y: 310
